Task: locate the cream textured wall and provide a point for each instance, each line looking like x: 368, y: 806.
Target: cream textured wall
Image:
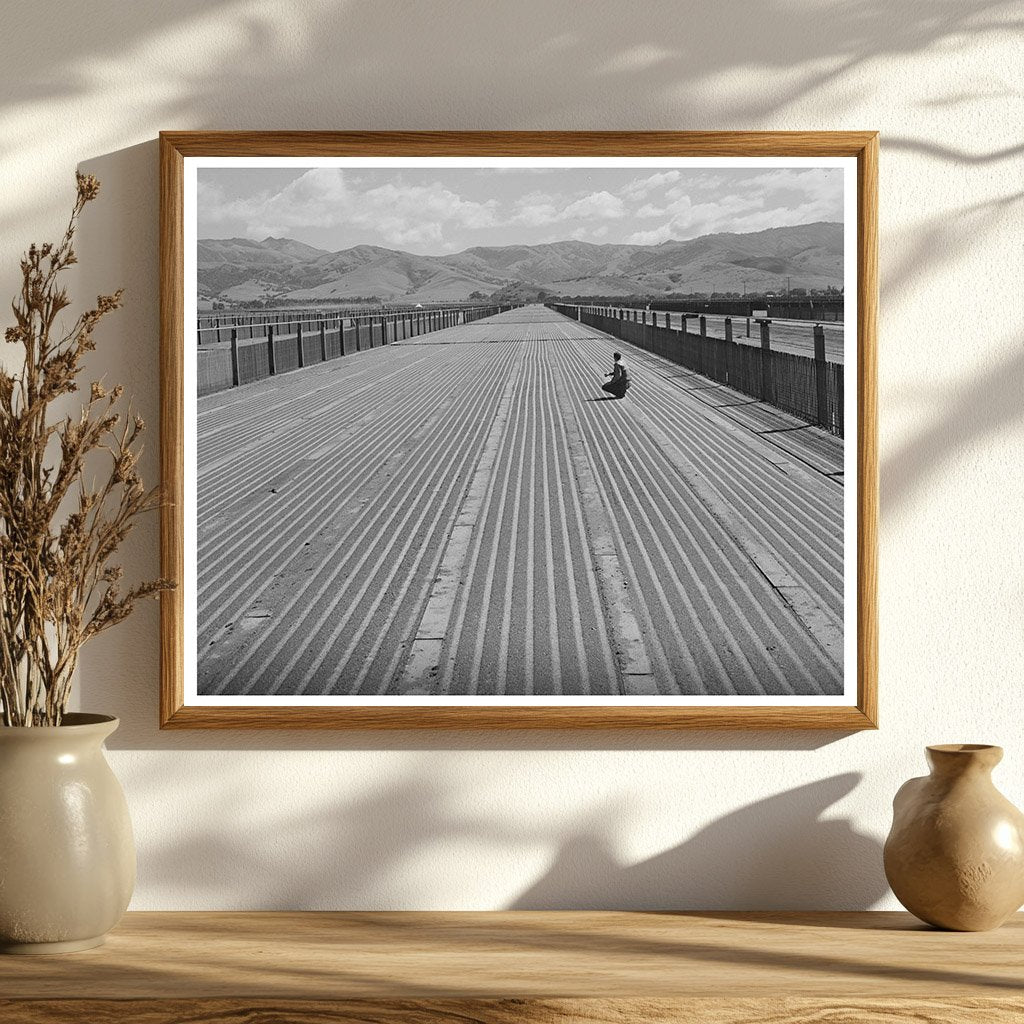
x: 749, y: 820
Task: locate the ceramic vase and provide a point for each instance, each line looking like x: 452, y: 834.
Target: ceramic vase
x: 67, y: 855
x: 955, y: 855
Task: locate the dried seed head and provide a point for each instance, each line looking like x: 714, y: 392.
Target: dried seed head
x: 88, y: 186
x: 107, y: 303
x: 124, y: 467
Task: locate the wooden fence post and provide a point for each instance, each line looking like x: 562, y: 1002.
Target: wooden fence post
x: 323, y: 341
x: 821, y: 375
x: 766, y: 361
x: 728, y: 353
x: 355, y: 324
x: 234, y: 357
x: 298, y: 343
x: 271, y: 361
x: 703, y: 321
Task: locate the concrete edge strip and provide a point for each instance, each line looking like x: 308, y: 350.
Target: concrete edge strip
x: 623, y: 622
x: 425, y: 653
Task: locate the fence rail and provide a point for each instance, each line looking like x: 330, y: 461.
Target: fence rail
x: 811, y: 389
x: 821, y: 309
x: 226, y: 319
x: 229, y: 356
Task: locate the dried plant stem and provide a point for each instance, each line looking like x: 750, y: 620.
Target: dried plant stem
x: 58, y: 586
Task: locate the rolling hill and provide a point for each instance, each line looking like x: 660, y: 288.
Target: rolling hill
x: 805, y: 255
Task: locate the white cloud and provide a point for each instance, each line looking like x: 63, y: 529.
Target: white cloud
x: 535, y: 209
x: 405, y: 216
x: 587, y: 234
x: 653, y: 237
x: 711, y: 203
x: 638, y: 188
x: 602, y: 205
x: 650, y: 210
x: 421, y: 212
x: 737, y: 212
x: 538, y: 208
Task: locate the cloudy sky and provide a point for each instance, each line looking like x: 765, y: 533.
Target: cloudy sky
x: 437, y: 210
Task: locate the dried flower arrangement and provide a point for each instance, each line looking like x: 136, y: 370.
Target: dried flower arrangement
x: 58, y: 587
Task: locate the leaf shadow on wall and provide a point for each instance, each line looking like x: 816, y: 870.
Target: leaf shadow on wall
x: 535, y: 64
x: 962, y: 422
x: 320, y: 65
x: 988, y: 403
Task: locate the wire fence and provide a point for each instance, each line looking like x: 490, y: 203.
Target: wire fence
x: 809, y: 388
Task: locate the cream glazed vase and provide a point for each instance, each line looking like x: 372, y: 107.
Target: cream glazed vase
x: 67, y: 855
x: 955, y: 855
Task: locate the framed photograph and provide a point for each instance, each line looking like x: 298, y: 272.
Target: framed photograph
x: 519, y: 429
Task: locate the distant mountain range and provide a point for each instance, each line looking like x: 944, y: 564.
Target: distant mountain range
x: 240, y: 270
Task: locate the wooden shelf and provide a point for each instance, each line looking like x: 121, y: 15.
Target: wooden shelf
x: 523, y: 967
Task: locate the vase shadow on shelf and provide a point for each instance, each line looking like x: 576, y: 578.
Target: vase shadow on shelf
x: 798, y: 861
x: 375, y: 848
x: 782, y: 852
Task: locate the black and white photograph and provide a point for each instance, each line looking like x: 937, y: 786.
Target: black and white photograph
x: 528, y: 431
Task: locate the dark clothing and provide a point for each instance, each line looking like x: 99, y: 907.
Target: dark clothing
x: 619, y: 383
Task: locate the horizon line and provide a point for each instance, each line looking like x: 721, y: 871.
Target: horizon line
x: 511, y: 245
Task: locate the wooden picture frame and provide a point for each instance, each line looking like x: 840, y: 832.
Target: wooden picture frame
x: 855, y: 711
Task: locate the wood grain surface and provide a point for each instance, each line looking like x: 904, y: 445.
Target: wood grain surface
x: 514, y: 1011
x: 176, y: 146
x: 524, y: 966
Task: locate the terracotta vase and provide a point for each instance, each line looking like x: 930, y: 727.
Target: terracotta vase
x: 67, y: 855
x: 955, y: 855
